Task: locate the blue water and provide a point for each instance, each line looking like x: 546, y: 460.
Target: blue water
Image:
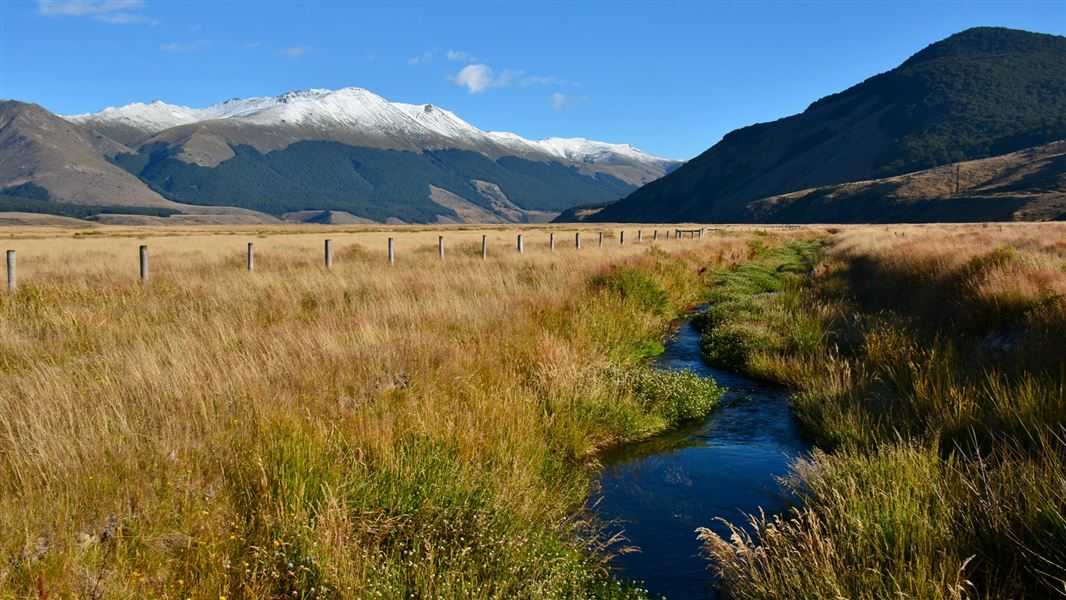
x: 657, y: 492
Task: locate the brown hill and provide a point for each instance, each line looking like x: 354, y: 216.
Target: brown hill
x: 1027, y: 185
x: 43, y: 149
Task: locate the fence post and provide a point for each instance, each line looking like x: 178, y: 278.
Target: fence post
x: 551, y: 242
x: 144, y: 262
x: 251, y: 257
x: 484, y: 246
x: 329, y: 254
x: 655, y: 235
x: 520, y: 243
x: 577, y: 240
x: 440, y: 247
x: 702, y: 229
x: 622, y: 237
x: 392, y: 255
x: 601, y: 240
x: 11, y: 278
x: 640, y: 235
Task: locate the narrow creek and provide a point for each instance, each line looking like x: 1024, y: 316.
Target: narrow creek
x: 657, y: 492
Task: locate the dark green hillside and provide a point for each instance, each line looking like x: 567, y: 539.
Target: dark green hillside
x: 367, y: 182
x: 979, y: 93
x: 34, y: 199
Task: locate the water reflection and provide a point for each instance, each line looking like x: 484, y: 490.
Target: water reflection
x: 658, y: 491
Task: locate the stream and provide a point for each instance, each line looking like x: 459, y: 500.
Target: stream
x: 658, y: 491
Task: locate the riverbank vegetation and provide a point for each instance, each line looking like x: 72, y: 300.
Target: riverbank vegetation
x: 928, y: 363
x: 421, y: 430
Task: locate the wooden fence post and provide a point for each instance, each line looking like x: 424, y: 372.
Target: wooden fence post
x: 520, y: 243
x: 577, y: 240
x: 640, y: 235
x: 11, y: 277
x: 655, y: 235
x: 329, y: 254
x: 484, y: 246
x: 601, y: 240
x: 144, y: 262
x: 551, y: 242
x: 440, y: 247
x: 622, y: 237
x: 251, y: 257
x: 392, y: 255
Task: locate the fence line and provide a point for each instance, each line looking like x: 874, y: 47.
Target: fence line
x: 142, y: 250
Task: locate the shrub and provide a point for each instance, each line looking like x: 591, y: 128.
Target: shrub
x: 677, y: 395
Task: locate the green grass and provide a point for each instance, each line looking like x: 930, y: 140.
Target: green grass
x: 947, y: 476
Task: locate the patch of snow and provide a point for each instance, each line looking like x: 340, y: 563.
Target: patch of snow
x: 359, y: 109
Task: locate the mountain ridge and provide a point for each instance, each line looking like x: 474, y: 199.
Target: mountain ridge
x: 314, y: 151
x: 395, y: 125
x: 979, y: 93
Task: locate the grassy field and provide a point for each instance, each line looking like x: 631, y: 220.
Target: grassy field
x: 422, y: 430
x: 430, y: 429
x: 930, y: 367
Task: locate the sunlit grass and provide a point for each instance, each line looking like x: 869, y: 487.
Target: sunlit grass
x: 929, y: 360
x: 426, y: 429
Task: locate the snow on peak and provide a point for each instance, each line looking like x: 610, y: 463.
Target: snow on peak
x: 354, y: 108
x: 578, y: 149
x: 156, y: 115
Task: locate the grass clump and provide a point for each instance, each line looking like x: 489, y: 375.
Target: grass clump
x: 634, y: 287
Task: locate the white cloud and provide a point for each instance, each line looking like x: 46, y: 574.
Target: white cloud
x: 479, y: 77
x: 295, y: 52
x: 189, y: 47
x: 423, y: 58
x: 460, y: 56
x: 558, y: 100
x: 118, y: 12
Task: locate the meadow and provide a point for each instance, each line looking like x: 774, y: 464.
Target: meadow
x: 929, y: 367
x: 431, y: 428
x: 426, y: 429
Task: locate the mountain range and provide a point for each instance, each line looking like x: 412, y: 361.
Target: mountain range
x: 320, y: 155
x: 971, y: 128
x: 984, y: 92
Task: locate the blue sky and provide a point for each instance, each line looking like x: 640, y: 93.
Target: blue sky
x: 669, y: 78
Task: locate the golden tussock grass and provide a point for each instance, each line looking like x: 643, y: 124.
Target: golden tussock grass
x: 424, y: 429
x: 937, y: 378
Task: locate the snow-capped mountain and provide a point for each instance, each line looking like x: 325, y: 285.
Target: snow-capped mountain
x: 316, y: 155
x: 357, y: 111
